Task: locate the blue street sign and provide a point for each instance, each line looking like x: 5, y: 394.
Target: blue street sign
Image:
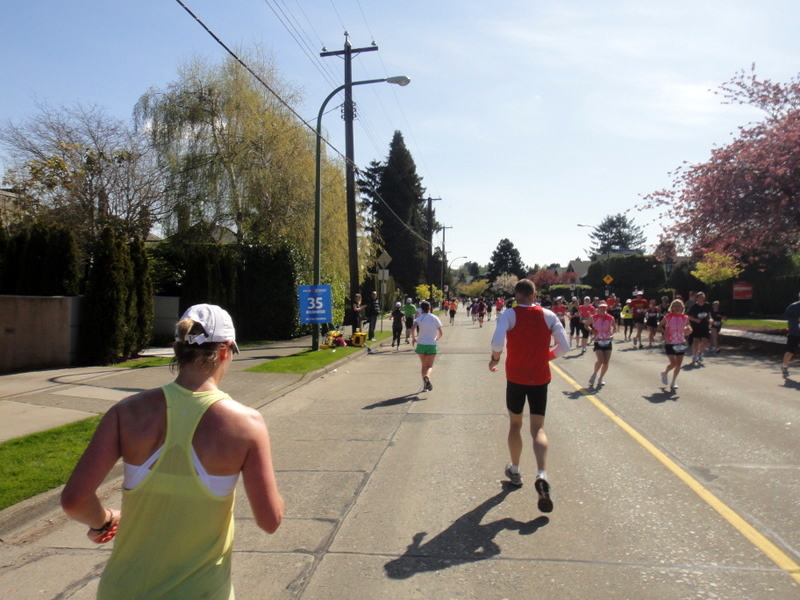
x: 315, y: 304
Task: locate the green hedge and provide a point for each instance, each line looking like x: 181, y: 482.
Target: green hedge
x: 256, y: 283
x: 40, y: 260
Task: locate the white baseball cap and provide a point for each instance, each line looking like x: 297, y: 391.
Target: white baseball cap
x: 216, y: 322
x: 397, y: 305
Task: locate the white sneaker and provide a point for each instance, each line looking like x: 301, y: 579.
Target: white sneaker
x: 664, y: 379
x: 592, y: 378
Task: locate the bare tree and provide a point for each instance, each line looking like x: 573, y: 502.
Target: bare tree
x: 80, y: 167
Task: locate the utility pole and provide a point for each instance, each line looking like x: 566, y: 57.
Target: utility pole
x: 444, y: 254
x: 350, y: 167
x: 428, y: 267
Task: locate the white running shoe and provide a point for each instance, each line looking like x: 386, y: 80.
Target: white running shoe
x: 664, y: 379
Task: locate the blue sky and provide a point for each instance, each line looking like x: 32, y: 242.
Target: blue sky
x: 524, y: 117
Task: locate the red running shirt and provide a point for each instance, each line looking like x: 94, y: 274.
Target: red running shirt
x: 528, y: 347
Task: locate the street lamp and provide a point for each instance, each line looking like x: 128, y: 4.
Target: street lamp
x: 401, y: 80
x: 450, y: 264
x: 454, y: 260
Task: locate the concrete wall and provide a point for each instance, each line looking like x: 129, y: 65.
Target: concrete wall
x: 41, y: 332
x: 37, y: 332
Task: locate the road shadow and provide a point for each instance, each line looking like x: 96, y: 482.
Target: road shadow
x: 576, y: 394
x: 465, y: 541
x: 394, y: 401
x: 788, y: 383
x: 662, y: 396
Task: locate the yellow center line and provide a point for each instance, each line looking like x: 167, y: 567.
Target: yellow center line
x: 774, y: 553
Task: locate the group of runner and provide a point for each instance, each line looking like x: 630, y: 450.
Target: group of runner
x: 692, y: 327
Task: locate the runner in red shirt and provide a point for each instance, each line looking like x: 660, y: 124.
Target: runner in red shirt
x: 585, y: 310
x: 525, y: 331
x: 639, y: 311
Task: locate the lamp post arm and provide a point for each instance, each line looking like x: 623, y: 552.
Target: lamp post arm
x: 398, y: 80
x: 318, y: 187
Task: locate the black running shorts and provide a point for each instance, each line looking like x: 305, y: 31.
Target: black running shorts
x: 536, y: 395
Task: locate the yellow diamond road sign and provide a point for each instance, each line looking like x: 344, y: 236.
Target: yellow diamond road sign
x: 608, y: 279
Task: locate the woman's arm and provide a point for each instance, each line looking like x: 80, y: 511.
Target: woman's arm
x: 79, y: 497
x: 258, y: 476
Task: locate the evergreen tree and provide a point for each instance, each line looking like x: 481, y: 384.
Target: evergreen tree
x: 399, y: 214
x: 143, y: 291
x: 41, y: 260
x: 3, y: 248
x: 506, y: 260
x: 616, y: 233
x: 105, y: 303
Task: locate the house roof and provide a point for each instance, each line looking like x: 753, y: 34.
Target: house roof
x: 579, y: 267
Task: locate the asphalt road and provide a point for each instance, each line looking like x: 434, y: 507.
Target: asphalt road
x: 396, y: 493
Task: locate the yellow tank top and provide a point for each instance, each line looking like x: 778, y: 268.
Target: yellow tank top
x: 175, y: 537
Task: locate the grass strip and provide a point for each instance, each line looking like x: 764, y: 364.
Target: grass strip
x: 307, y: 361
x: 304, y: 361
x: 36, y: 463
x: 778, y: 325
x: 143, y: 363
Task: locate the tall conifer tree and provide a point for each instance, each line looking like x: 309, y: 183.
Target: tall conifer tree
x: 399, y: 214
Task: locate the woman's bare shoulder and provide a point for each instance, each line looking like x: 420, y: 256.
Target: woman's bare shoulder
x: 144, y: 401
x: 232, y: 411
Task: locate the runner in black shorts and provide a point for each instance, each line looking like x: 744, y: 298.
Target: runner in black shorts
x: 536, y: 395
x: 525, y: 331
x: 699, y: 315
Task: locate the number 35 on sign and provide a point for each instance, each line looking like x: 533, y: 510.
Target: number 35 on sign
x: 315, y: 303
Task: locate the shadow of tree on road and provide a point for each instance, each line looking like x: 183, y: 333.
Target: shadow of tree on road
x: 465, y: 541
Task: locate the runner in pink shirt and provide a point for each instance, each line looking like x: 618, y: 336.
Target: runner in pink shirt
x: 603, y: 326
x: 675, y: 326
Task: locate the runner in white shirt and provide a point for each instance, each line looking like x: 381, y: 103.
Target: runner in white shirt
x: 426, y: 332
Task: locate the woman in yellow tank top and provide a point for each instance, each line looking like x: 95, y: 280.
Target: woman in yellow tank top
x: 183, y: 447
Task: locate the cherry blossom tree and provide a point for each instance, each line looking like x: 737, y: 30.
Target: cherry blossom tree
x: 744, y: 201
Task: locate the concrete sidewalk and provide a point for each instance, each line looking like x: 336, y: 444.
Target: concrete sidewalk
x: 40, y: 400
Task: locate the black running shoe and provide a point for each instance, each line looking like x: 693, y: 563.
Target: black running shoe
x: 543, y: 489
x: 428, y: 384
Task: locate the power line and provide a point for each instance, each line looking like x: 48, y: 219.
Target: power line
x: 292, y: 110
x: 300, y: 38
